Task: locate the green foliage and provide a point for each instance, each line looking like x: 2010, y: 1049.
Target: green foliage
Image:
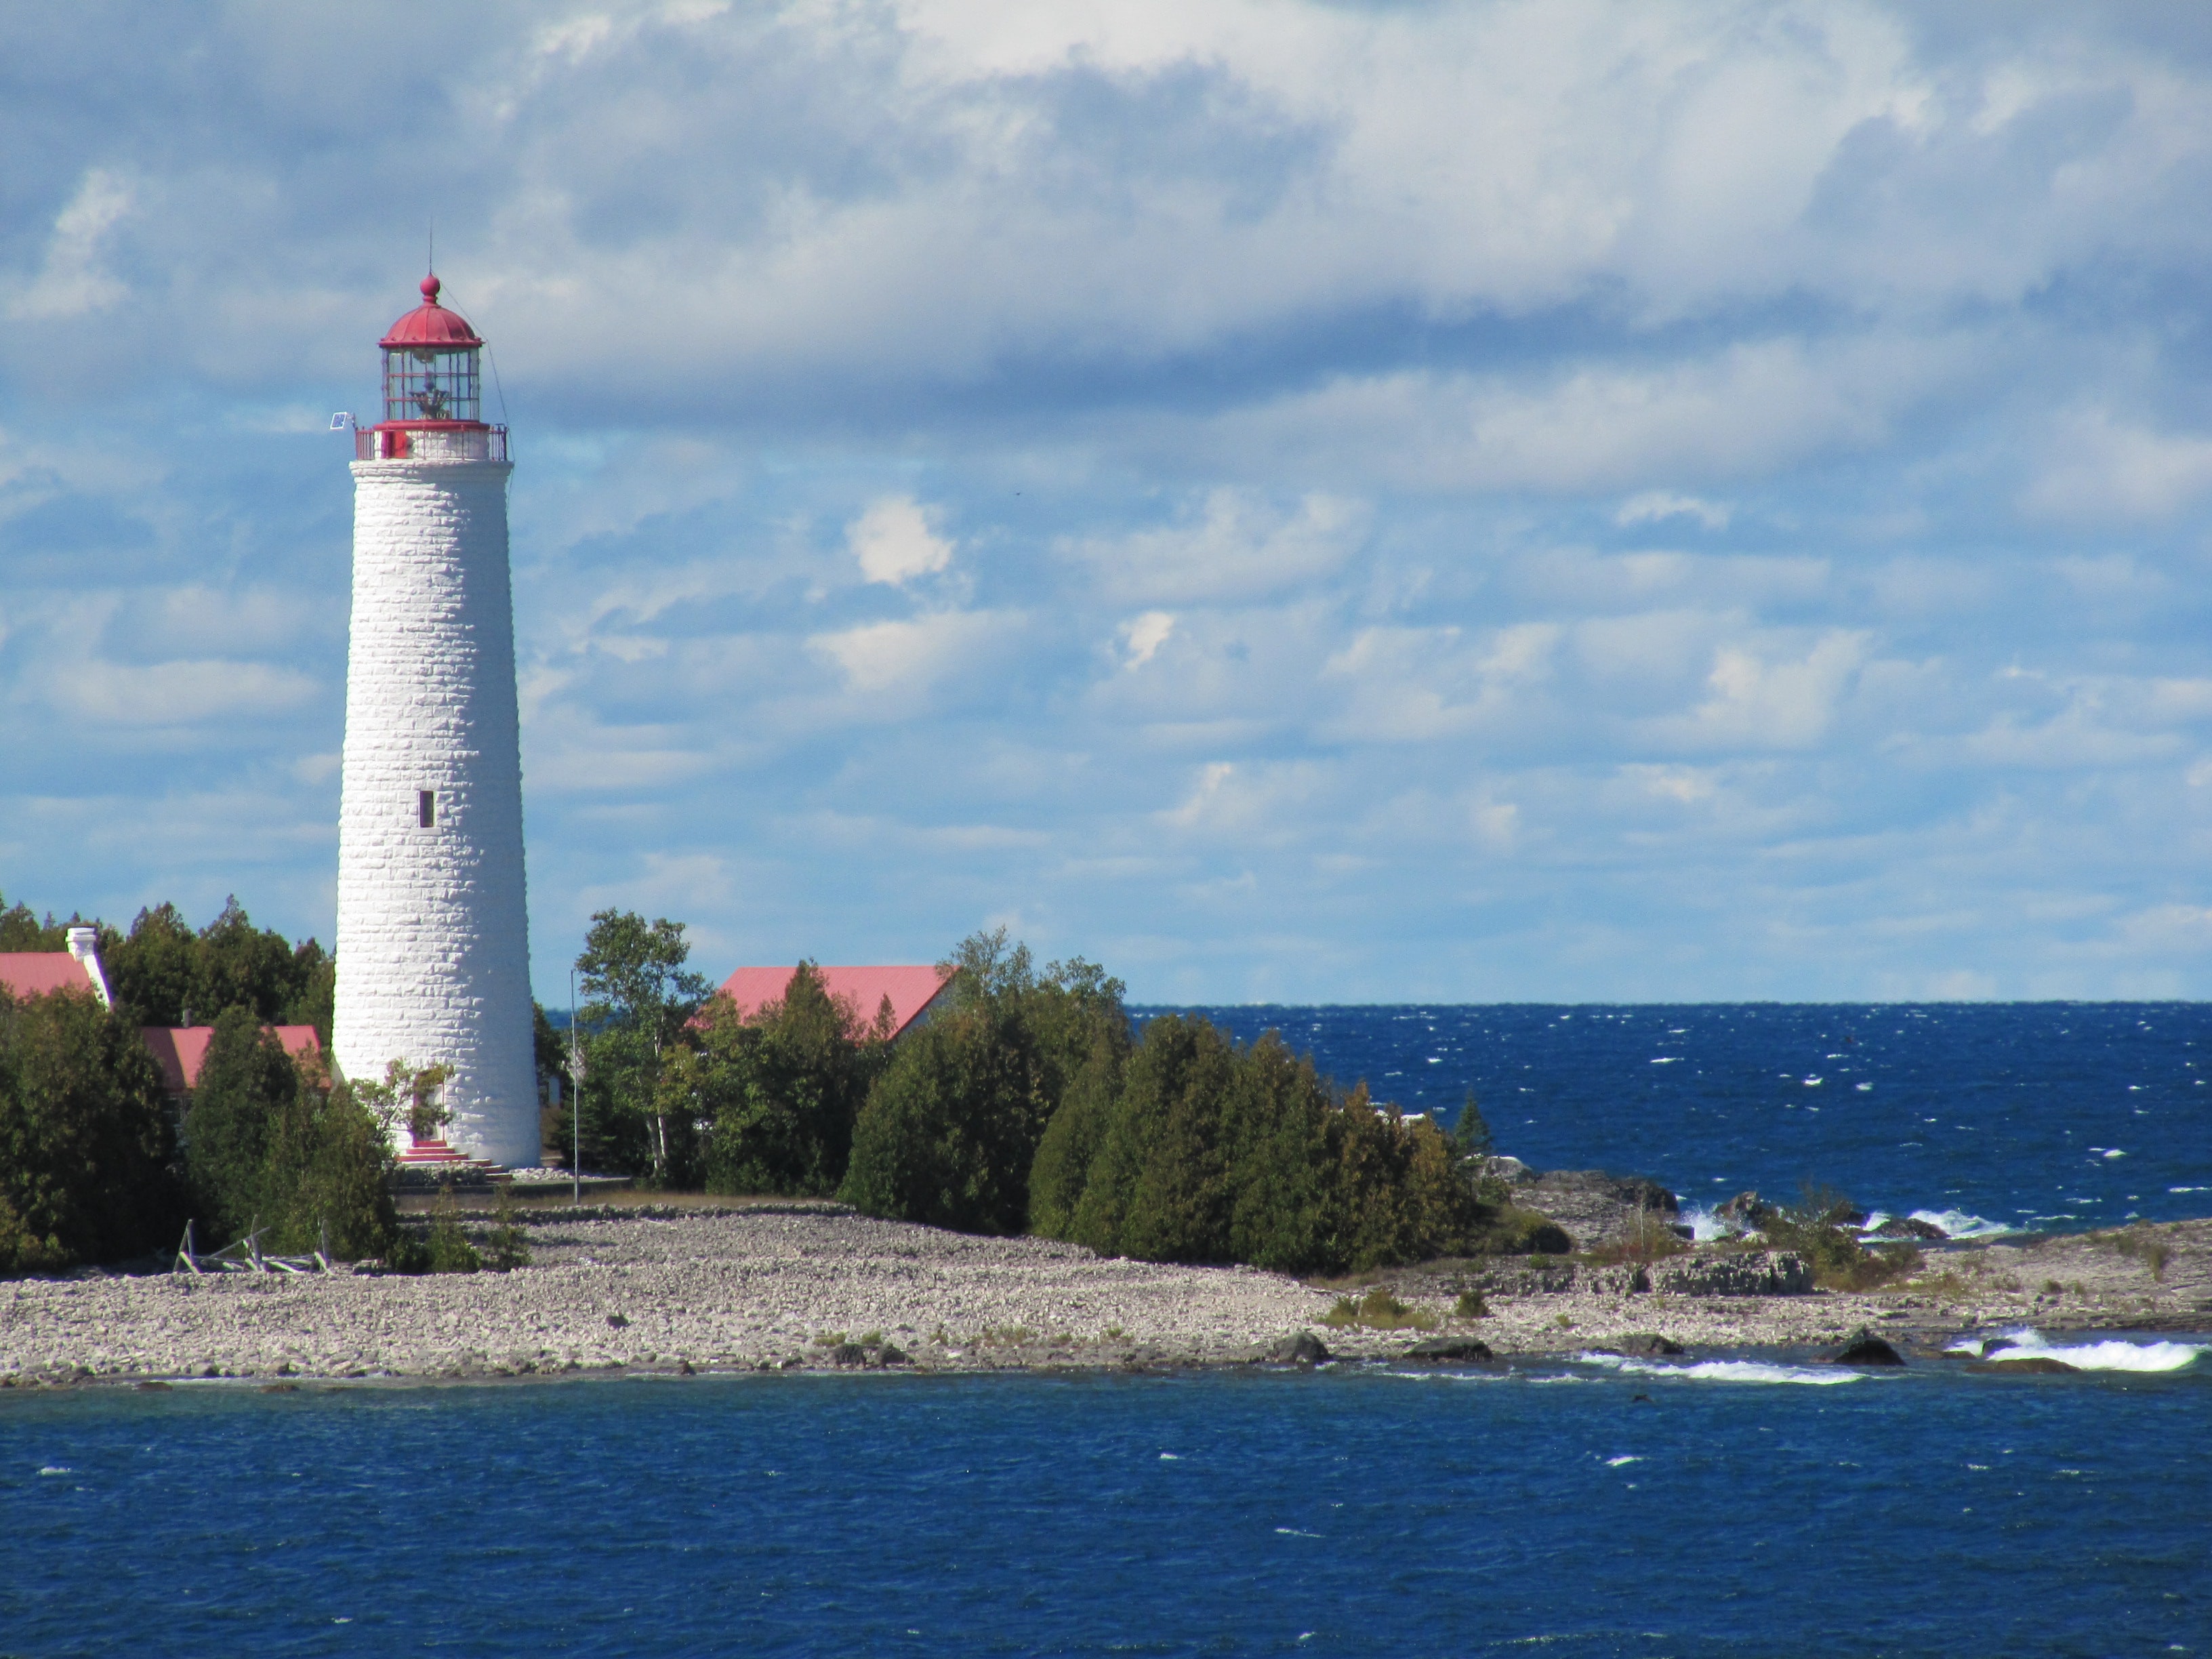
x: 245, y: 1082
x: 952, y: 1129
x: 447, y: 1249
x: 1470, y: 1305
x: 1814, y: 1228
x: 508, y: 1246
x: 330, y: 1165
x: 1470, y: 1131
x: 20, y: 930
x: 640, y: 997
x: 1210, y: 1154
x: 163, y: 970
x: 780, y: 1090
x: 1378, y: 1311
x: 268, y: 1146
x: 85, y: 1149
x: 2153, y: 1250
x: 1644, y: 1239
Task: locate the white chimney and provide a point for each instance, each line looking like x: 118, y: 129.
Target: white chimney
x: 84, y: 945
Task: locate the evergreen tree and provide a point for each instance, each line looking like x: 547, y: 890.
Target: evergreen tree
x: 247, y: 1084
x: 952, y: 1128
x: 84, y: 1146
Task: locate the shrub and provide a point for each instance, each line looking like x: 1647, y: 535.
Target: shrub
x: 85, y: 1149
x: 447, y: 1249
x: 1470, y: 1305
x: 1378, y: 1311
x: 2148, y: 1248
x: 508, y: 1246
x: 1646, y: 1238
x: 270, y: 1144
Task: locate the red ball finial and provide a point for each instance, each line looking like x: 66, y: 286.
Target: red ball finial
x: 430, y: 289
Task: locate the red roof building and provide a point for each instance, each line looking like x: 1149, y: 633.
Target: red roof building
x: 34, y: 973
x: 181, y: 1050
x: 909, y: 990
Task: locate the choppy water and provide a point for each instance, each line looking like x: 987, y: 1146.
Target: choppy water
x: 2028, y: 1114
x: 1712, y: 1510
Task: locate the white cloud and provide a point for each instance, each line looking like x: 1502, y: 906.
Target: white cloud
x: 912, y: 656
x: 74, y: 279
x: 895, y: 543
x: 180, y: 693
x: 1234, y: 546
x: 1144, y: 635
x: 2098, y: 466
x: 1656, y: 505
x: 1766, y: 702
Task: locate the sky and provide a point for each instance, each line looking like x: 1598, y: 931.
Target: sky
x: 1294, y: 502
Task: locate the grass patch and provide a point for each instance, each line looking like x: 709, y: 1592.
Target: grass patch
x: 1647, y: 1238
x: 1470, y: 1305
x: 2142, y: 1245
x: 1378, y: 1311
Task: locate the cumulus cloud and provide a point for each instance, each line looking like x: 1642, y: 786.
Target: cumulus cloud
x: 895, y: 543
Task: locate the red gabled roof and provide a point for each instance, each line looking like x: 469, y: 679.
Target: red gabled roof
x: 910, y: 990
x: 34, y: 973
x: 180, y: 1050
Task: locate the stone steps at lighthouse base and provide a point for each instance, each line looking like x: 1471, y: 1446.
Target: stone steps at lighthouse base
x: 435, y: 1160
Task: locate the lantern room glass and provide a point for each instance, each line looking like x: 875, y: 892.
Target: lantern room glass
x: 422, y: 383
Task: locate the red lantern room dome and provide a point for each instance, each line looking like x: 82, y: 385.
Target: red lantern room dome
x: 433, y: 392
x: 430, y: 326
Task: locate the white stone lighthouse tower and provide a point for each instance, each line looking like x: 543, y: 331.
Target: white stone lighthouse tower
x: 434, y: 958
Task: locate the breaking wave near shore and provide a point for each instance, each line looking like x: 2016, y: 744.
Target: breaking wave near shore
x: 2103, y: 1354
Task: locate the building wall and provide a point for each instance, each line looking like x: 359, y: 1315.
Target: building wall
x: 433, y: 945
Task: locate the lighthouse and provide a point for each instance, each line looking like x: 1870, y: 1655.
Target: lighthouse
x: 433, y: 945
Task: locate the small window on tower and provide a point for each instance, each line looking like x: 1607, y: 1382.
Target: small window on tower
x: 426, y: 808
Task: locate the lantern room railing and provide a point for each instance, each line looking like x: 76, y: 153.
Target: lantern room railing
x: 431, y: 443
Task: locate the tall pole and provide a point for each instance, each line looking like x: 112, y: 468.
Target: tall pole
x: 576, y: 1100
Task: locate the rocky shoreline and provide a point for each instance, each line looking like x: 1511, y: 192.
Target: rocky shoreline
x: 811, y: 1287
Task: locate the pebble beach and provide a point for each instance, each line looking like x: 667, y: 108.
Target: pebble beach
x: 810, y: 1287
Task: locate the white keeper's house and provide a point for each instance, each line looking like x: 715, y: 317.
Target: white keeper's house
x: 433, y: 933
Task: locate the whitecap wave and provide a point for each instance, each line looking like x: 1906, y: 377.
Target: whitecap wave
x: 1704, y: 1226
x: 1725, y: 1370
x: 2110, y: 1354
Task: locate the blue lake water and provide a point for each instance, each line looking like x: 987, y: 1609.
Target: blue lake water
x: 2065, y: 1116
x: 1745, y: 1505
x: 1549, y: 1510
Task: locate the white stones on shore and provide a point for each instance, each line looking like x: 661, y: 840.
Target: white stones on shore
x: 775, y: 1290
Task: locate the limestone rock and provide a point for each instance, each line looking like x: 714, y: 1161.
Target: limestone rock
x: 1442, y: 1349
x: 1866, y: 1349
